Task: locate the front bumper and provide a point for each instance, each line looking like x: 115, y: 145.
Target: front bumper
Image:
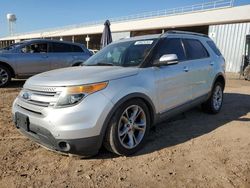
x: 80, y: 146
x: 75, y: 130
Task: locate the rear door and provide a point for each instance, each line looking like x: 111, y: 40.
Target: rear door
x: 172, y: 81
x: 33, y: 59
x: 200, y: 64
x: 60, y: 55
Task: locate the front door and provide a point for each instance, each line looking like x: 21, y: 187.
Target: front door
x: 33, y: 59
x: 173, y: 81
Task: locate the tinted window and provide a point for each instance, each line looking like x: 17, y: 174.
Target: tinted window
x: 35, y: 48
x: 60, y: 47
x: 170, y: 46
x: 76, y: 48
x: 195, y: 49
x: 214, y: 48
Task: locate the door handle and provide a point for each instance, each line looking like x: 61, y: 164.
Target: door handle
x: 212, y: 63
x: 186, y: 69
x: 45, y: 56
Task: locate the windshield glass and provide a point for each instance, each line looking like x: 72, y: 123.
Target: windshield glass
x: 130, y: 53
x: 12, y: 46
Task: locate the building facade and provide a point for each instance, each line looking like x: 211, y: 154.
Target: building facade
x: 226, y: 24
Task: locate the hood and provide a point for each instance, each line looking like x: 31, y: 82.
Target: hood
x: 80, y: 75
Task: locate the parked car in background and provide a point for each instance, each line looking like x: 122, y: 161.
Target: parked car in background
x: 93, y: 51
x: 27, y: 58
x: 121, y: 92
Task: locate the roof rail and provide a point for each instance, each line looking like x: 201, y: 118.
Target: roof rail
x: 185, y: 32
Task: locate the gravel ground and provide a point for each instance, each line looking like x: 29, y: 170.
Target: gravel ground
x: 194, y: 150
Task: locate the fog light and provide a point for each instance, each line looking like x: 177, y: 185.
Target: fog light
x: 64, y: 146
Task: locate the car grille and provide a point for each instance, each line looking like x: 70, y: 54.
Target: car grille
x: 38, y: 98
x: 41, y: 97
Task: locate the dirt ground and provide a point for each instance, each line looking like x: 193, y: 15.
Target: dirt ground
x: 195, y: 150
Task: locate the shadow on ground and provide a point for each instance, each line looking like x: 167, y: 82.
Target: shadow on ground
x: 16, y: 84
x: 192, y: 124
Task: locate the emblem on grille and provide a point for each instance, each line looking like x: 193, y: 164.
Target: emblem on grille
x: 26, y: 96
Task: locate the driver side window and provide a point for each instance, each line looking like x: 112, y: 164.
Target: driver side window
x: 170, y: 46
x: 35, y: 48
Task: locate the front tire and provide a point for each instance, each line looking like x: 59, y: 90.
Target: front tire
x: 128, y: 128
x: 214, y: 103
x: 5, y: 76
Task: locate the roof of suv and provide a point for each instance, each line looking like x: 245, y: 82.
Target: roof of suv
x: 143, y: 37
x: 154, y: 36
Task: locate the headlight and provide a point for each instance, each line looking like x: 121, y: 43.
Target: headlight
x: 74, y: 94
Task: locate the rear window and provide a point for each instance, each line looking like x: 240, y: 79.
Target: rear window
x: 195, y: 49
x: 64, y: 48
x: 60, y: 47
x: 214, y: 47
x: 76, y: 48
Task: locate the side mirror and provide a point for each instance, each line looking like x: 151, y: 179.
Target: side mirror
x: 167, y: 59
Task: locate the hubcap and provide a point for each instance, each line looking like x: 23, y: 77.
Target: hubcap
x: 217, y: 97
x: 3, y: 76
x: 132, y: 126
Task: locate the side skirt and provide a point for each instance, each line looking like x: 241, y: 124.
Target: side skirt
x: 182, y: 108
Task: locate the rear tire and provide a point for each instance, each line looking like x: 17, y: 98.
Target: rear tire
x: 5, y: 76
x: 214, y: 103
x: 128, y: 128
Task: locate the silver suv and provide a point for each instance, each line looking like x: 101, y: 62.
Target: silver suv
x: 120, y: 93
x: 27, y: 58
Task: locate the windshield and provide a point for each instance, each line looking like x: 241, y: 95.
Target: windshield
x: 12, y: 46
x: 130, y: 53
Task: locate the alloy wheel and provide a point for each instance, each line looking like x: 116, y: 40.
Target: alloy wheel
x: 217, y: 97
x: 132, y: 126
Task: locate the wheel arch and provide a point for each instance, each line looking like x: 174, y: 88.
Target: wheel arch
x: 220, y: 78
x: 127, y: 98
x: 9, y: 67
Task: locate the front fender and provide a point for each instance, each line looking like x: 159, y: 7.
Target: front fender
x: 120, y: 99
x: 9, y: 63
x: 3, y: 58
